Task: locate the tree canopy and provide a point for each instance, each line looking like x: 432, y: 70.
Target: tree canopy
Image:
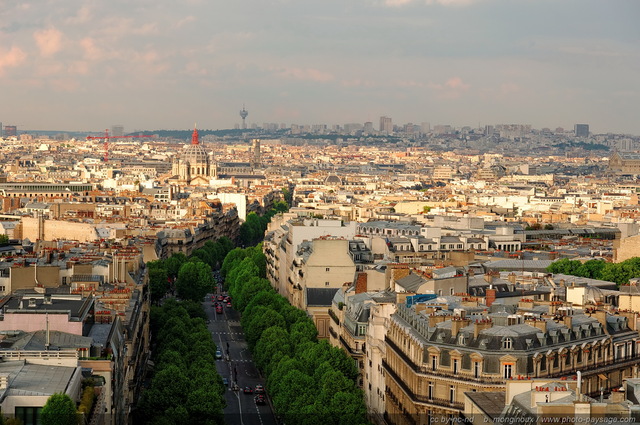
x: 59, y: 410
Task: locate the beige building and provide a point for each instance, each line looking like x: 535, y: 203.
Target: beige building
x: 433, y: 358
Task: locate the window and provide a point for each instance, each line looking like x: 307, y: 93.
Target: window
x: 452, y: 394
x: 326, y: 284
x: 450, y: 291
x: 29, y: 415
x: 434, y: 362
x: 476, y: 369
x: 362, y: 330
x: 328, y: 269
x: 543, y: 364
x: 430, y: 391
x: 506, y: 344
x: 459, y: 246
x: 439, y: 292
x: 455, y: 366
x: 507, y: 370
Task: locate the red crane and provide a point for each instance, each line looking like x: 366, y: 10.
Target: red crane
x: 106, y: 138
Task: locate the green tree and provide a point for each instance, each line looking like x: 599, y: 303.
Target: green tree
x: 194, y: 281
x: 273, y: 344
x: 591, y: 269
x: 4, y: 240
x: 158, y: 283
x: 59, y: 410
x: 564, y: 266
x: 174, y: 263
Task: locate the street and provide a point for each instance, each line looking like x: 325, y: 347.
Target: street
x: 236, y: 365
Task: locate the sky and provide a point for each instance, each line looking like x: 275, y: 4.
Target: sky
x: 87, y: 65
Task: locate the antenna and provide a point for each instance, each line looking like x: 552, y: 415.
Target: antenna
x: 243, y: 115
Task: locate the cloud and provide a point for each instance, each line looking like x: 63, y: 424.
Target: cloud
x: 91, y: 50
x: 456, y: 83
x: 11, y: 58
x: 49, y: 41
x: 451, y: 89
x: 307, y: 74
x: 184, y: 21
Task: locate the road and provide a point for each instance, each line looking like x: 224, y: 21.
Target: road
x: 237, y: 366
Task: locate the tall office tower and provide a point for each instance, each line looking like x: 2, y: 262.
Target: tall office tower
x: 386, y: 126
x: 488, y: 130
x: 581, y: 130
x: 368, y: 127
x: 117, y: 131
x: 10, y: 131
x: 243, y: 115
x: 256, y: 152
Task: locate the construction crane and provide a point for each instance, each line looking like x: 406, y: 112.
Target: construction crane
x: 106, y: 138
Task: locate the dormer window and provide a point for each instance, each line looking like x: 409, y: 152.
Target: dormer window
x: 461, y: 339
x: 507, y: 344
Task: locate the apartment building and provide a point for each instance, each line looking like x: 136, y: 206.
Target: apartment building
x: 434, y: 356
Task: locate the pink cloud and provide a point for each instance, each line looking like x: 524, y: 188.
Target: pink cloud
x: 49, y: 41
x: 451, y: 89
x: 11, y: 58
x: 456, y: 83
x: 308, y: 74
x: 91, y: 50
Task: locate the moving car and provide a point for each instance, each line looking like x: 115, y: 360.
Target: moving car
x: 225, y: 381
x: 259, y: 399
x: 259, y: 389
x: 219, y: 309
x: 218, y: 354
x: 248, y: 390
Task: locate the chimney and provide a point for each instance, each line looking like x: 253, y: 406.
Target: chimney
x: 480, y: 325
x: 512, y: 278
x: 361, y: 283
x: 601, y: 316
x: 488, y: 276
x: 490, y: 296
x: 540, y: 324
x: 553, y: 307
x: 458, y: 323
x: 568, y: 321
x: 435, y: 319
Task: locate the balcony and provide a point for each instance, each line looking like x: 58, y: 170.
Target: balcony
x: 334, y: 317
x: 419, y: 398
x: 461, y: 376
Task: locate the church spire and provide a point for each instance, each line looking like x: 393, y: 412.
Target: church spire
x: 194, y: 136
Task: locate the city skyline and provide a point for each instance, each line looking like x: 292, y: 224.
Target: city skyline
x: 161, y: 65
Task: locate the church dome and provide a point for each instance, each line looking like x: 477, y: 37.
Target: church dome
x: 195, y: 154
x: 332, y: 179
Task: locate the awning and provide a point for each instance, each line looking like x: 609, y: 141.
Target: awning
x: 603, y: 376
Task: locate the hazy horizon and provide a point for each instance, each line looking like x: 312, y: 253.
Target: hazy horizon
x: 164, y: 64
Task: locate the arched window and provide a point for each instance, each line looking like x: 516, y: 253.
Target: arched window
x: 507, y: 344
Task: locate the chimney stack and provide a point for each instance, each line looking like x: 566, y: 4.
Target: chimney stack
x: 480, y: 325
x: 490, y: 296
x: 458, y: 323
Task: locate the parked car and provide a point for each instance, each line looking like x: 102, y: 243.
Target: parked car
x: 259, y: 389
x: 225, y: 381
x: 248, y: 390
x: 260, y: 399
x: 218, y: 354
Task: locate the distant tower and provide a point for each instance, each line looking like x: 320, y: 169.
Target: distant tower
x: 256, y: 152
x: 243, y: 115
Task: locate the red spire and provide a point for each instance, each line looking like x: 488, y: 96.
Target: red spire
x: 194, y: 136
